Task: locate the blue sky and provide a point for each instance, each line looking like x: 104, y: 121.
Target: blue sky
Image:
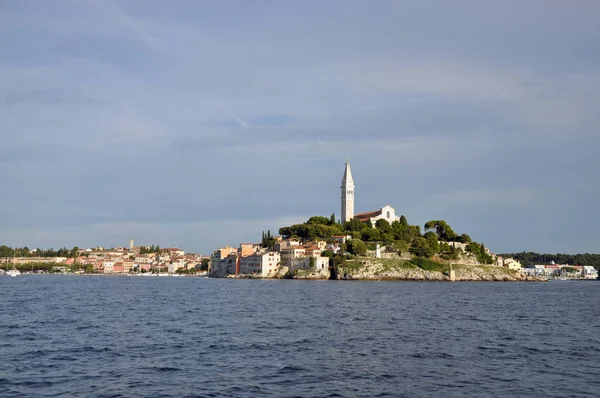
x: 198, y: 124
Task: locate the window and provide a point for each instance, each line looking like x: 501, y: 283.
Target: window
x: 388, y: 214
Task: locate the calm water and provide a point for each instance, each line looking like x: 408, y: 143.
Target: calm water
x: 134, y: 336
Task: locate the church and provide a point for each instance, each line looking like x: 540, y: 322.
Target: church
x: 385, y: 213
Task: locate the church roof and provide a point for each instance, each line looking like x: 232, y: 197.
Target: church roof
x: 366, y: 216
x: 347, y: 173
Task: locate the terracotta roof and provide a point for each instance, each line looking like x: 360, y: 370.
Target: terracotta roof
x: 367, y: 215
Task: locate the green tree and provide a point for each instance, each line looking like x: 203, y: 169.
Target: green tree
x: 464, y: 238
x: 74, y: 252
x: 332, y: 219
x: 318, y: 220
x: 403, y: 221
x: 387, y: 238
x: 473, y: 248
x: 432, y: 240
x: 204, y: 264
x: 356, y: 247
x: 442, y: 229
x: 371, y: 234
x: 383, y: 225
x: 421, y: 248
x: 448, y: 251
x: 400, y: 246
x: 354, y: 225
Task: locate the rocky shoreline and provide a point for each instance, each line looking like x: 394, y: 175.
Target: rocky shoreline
x: 398, y: 270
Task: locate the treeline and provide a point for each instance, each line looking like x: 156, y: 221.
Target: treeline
x: 149, y: 249
x: 48, y: 267
x: 6, y: 251
x: 438, y: 239
x: 531, y: 258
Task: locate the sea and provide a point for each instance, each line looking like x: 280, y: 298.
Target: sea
x: 98, y: 336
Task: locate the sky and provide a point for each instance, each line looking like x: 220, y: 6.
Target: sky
x: 199, y: 124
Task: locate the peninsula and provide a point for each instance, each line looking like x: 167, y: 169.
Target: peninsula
x: 374, y: 245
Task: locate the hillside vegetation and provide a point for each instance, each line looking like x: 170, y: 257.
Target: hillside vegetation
x: 438, y: 239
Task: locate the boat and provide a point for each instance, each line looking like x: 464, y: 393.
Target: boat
x: 13, y: 272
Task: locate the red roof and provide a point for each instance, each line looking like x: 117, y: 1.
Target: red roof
x: 366, y: 216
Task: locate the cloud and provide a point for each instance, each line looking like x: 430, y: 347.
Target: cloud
x: 242, y: 122
x: 521, y: 197
x: 130, y: 24
x: 178, y: 234
x: 178, y: 117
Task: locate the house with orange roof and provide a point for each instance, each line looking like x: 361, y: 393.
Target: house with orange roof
x: 118, y: 268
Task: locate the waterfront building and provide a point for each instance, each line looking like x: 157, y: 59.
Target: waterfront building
x: 289, y: 253
x: 118, y: 268
x: 223, y: 261
x: 107, y: 266
x: 127, y: 266
x: 304, y: 263
x: 260, y: 264
x: 312, y: 250
x: 590, y: 272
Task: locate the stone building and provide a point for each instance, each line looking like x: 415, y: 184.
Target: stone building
x: 347, y: 194
x: 386, y: 213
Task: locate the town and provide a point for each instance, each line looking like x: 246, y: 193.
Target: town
x: 306, y: 256
x: 142, y: 260
x: 376, y: 244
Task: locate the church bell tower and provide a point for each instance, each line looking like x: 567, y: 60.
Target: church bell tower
x: 347, y: 194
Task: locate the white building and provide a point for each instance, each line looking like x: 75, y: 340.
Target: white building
x: 176, y: 265
x: 347, y: 194
x: 319, y: 263
x: 590, y: 272
x: 261, y: 264
x: 107, y: 265
x: 385, y: 213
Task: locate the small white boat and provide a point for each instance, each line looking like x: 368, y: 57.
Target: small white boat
x: 13, y: 271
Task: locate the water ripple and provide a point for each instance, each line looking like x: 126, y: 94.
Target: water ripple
x: 196, y: 337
